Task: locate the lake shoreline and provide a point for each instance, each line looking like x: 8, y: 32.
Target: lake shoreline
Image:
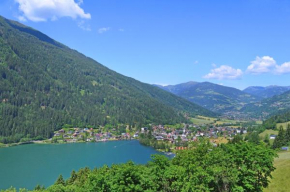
x: 48, y: 142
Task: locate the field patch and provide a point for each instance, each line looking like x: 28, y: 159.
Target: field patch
x: 281, y: 176
x: 284, y: 125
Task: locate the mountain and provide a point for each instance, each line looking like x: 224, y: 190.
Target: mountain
x: 268, y: 107
x: 266, y: 92
x: 44, y: 85
x: 214, y: 97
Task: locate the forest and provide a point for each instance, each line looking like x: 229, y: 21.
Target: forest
x: 44, y: 85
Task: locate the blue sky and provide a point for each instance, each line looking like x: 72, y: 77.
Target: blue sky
x: 235, y: 43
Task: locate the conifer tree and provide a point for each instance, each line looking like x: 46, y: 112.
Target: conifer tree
x: 60, y: 180
x: 280, y: 139
x: 287, y: 135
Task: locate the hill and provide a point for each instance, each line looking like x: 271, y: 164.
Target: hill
x: 214, y: 97
x: 44, y: 85
x: 266, y: 92
x: 279, y: 119
x: 268, y: 107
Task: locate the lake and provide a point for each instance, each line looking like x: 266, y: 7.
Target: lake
x: 25, y: 166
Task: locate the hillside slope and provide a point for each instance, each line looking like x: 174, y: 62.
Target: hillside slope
x: 266, y: 92
x: 281, y: 117
x: 44, y: 84
x: 214, y: 97
x: 268, y: 107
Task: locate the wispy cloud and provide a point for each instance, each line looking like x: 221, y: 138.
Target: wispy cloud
x: 224, y: 72
x: 121, y: 30
x: 43, y: 10
x: 103, y: 29
x: 84, y: 26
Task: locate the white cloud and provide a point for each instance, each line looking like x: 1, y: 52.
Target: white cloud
x: 263, y: 64
x: 121, y: 30
x: 43, y: 10
x: 267, y: 64
x: 224, y: 72
x: 103, y: 30
x: 196, y: 62
x: 284, y: 68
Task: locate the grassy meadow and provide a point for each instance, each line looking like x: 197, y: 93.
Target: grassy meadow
x: 281, y: 176
x: 269, y: 132
x: 202, y: 120
x: 283, y: 124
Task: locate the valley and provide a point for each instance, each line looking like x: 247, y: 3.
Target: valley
x: 69, y: 123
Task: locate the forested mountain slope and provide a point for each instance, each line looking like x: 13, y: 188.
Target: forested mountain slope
x: 268, y: 107
x: 215, y: 97
x: 44, y: 84
x: 282, y: 117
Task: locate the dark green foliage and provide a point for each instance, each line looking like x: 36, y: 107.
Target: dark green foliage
x: 215, y: 97
x: 237, y: 139
x: 45, y: 85
x: 39, y: 188
x: 282, y: 117
x: 282, y: 138
x: 287, y: 134
x: 232, y: 167
x: 253, y: 137
x: 60, y: 181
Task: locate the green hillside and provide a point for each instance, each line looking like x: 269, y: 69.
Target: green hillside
x: 44, y: 85
x: 276, y: 120
x: 214, y: 97
x: 267, y: 107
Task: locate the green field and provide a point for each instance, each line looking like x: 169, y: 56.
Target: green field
x: 283, y: 124
x: 269, y: 132
x: 281, y: 176
x: 200, y: 121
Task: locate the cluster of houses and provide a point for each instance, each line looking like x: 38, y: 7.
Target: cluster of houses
x: 73, y: 135
x: 191, y: 134
x: 159, y: 132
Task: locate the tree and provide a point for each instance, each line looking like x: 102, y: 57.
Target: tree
x: 267, y: 139
x: 254, y: 137
x: 60, y: 180
x: 237, y: 139
x: 280, y: 139
x: 287, y: 135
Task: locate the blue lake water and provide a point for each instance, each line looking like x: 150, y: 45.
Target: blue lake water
x: 26, y: 166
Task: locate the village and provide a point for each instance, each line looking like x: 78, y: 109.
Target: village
x: 161, y: 133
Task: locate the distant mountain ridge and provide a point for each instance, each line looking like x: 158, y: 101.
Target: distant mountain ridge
x: 266, y: 92
x: 214, y: 97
